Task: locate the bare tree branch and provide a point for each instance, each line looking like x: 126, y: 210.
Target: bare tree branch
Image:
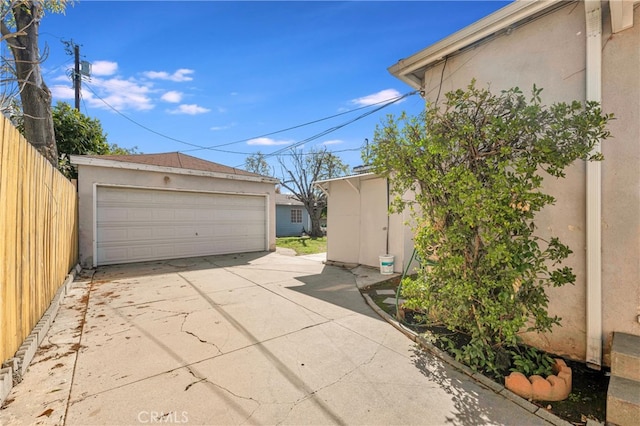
x: 301, y: 170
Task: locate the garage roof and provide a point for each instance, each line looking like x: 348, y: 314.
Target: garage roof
x: 287, y: 200
x: 175, y: 162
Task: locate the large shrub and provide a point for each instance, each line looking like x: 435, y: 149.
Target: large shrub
x: 476, y: 164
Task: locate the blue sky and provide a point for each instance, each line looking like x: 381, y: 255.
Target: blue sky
x: 182, y: 76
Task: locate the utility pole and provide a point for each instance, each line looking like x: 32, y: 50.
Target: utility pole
x: 79, y: 69
x: 77, y: 78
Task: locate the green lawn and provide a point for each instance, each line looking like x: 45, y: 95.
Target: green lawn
x: 303, y: 245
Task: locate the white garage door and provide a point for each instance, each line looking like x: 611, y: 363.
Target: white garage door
x: 134, y: 225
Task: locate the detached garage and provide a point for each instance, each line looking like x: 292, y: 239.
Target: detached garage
x: 135, y: 208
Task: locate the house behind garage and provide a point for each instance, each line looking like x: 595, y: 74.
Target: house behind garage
x: 292, y: 218
x: 146, y: 207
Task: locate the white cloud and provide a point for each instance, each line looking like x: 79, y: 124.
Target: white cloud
x: 183, y: 74
x: 103, y: 68
x: 190, y: 109
x: 118, y: 93
x: 332, y: 142
x: 62, y: 92
x: 376, y: 98
x: 123, y: 94
x: 108, y: 90
x: 228, y: 126
x: 267, y: 142
x: 172, y: 96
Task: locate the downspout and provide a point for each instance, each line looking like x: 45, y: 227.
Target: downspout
x: 593, y: 16
x: 388, y: 222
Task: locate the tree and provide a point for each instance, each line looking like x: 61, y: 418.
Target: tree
x: 257, y: 163
x: 19, y: 26
x: 300, y: 170
x: 476, y: 166
x: 77, y: 134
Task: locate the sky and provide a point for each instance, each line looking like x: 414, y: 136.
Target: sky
x: 224, y: 80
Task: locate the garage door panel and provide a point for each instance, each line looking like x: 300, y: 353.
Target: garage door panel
x: 141, y: 224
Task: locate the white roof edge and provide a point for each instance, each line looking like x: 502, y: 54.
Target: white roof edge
x: 318, y: 182
x: 500, y: 19
x: 79, y: 160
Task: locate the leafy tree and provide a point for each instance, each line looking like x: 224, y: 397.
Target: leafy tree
x: 77, y: 134
x: 257, y: 163
x: 476, y: 165
x: 19, y: 26
x: 300, y: 170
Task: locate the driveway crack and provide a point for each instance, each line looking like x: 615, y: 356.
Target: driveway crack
x: 201, y: 340
x: 205, y: 380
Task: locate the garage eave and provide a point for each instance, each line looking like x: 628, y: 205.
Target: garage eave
x: 78, y: 160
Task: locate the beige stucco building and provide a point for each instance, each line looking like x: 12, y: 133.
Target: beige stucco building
x: 359, y: 230
x: 146, y: 207
x: 574, y: 50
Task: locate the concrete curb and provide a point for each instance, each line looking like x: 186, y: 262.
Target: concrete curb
x: 483, y: 380
x: 14, y: 368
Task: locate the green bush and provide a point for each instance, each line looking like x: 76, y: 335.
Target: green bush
x: 476, y: 165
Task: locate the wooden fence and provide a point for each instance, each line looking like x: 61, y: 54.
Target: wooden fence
x: 38, y: 236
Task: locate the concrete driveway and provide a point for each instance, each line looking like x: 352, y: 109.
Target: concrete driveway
x: 240, y: 339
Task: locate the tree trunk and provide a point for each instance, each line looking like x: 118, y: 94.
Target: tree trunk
x: 315, y: 213
x: 34, y: 93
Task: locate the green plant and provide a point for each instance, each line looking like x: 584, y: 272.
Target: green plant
x: 530, y: 361
x: 303, y: 245
x: 476, y: 166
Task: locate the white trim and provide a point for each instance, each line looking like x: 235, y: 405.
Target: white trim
x: 153, y: 188
x: 355, y: 188
x: 113, y: 164
x: 593, y: 17
x: 266, y: 225
x: 621, y: 14
x: 205, y: 191
x: 367, y: 175
x: 94, y: 261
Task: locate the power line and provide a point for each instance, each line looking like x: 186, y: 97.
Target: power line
x: 381, y: 105
x: 296, y: 126
x: 155, y: 132
x: 333, y: 129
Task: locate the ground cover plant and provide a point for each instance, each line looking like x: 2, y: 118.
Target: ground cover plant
x: 476, y: 165
x: 588, y: 396
x: 303, y: 245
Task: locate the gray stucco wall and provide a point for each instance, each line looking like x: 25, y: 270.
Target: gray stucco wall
x: 550, y: 52
x: 88, y: 176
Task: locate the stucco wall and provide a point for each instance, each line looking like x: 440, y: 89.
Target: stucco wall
x: 90, y: 175
x: 359, y: 229
x: 343, y: 223
x: 621, y: 182
x: 550, y: 52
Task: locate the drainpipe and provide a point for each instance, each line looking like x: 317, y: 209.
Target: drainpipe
x: 593, y: 16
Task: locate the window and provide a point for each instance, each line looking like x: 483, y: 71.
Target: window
x: 296, y: 215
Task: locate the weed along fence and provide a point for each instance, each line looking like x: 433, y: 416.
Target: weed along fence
x: 38, y: 237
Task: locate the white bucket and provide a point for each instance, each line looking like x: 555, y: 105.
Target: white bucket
x: 386, y: 264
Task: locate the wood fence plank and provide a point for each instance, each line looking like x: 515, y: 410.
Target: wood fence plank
x: 38, y: 236
x: 4, y: 302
